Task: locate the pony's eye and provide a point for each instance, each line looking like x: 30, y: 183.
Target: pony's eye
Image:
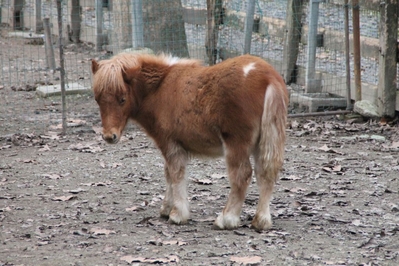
x: 122, y: 100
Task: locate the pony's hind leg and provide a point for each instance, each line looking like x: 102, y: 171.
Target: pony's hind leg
x: 265, y: 178
x: 167, y: 203
x: 240, y: 173
x: 175, y: 204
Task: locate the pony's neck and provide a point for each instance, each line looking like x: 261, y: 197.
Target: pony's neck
x: 151, y: 75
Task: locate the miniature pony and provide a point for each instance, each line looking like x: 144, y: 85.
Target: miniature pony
x: 235, y: 109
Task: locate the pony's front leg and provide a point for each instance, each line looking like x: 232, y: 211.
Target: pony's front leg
x: 175, y: 204
x: 240, y: 173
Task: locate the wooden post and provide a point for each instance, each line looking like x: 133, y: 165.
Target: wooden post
x: 16, y: 18
x: 76, y: 20
x: 62, y: 67
x: 387, y: 60
x: 99, y: 25
x: 214, y: 11
x: 293, y: 38
x: 38, y: 16
x: 356, y: 48
x: 48, y: 45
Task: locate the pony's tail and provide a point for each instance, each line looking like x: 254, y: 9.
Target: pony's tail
x: 272, y: 133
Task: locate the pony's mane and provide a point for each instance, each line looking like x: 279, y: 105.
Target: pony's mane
x: 109, y: 74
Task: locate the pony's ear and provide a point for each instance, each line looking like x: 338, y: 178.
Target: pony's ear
x: 94, y: 66
x: 130, y: 74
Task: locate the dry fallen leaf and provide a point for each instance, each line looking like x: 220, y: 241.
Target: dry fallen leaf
x: 51, y: 135
x: 100, y: 231
x: 394, y: 145
x: 75, y: 191
x: 98, y: 184
x: 218, y: 176
x: 290, y: 177
x: 204, y: 181
x: 44, y: 148
x: 168, y: 259
x: 246, y: 260
x: 5, y: 147
x: 134, y: 208
x: 64, y: 198
x: 174, y: 242
x: 89, y: 148
x: 329, y: 150
x: 51, y: 176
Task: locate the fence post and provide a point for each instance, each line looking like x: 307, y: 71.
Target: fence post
x: 293, y: 38
x: 249, y: 24
x: 48, y: 45
x: 99, y: 25
x: 312, y: 84
x: 356, y: 48
x: 75, y: 21
x: 62, y: 66
x: 214, y: 11
x: 38, y: 16
x: 386, y: 100
x: 347, y: 58
x: 137, y: 21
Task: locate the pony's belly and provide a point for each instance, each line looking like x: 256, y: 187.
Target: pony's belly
x: 206, y: 149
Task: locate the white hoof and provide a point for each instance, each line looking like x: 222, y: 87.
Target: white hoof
x: 262, y: 222
x: 227, y: 221
x: 179, y: 214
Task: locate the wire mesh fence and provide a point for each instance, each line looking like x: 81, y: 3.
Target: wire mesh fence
x: 212, y: 30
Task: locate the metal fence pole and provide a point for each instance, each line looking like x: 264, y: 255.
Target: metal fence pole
x: 249, y: 24
x: 347, y: 58
x: 138, y: 27
x: 312, y: 85
x: 356, y: 48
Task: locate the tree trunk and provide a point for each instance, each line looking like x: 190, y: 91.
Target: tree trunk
x: 164, y: 27
x: 214, y: 11
x: 76, y: 20
x: 122, y: 25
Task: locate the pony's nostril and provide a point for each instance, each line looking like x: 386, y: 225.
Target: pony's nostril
x: 114, y: 137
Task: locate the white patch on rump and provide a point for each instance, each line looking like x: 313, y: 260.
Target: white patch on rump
x: 248, y: 68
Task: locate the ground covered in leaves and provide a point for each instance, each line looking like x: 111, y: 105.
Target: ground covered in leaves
x: 75, y: 200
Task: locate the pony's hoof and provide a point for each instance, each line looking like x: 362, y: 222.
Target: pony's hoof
x: 176, y: 218
x: 226, y: 222
x: 165, y: 211
x: 262, y: 223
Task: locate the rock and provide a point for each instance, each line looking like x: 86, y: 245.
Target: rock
x: 378, y: 138
x: 366, y: 109
x: 141, y: 50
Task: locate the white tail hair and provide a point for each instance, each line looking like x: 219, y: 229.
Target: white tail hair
x: 272, y: 133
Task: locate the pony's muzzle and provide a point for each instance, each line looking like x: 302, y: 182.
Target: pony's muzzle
x: 111, y: 138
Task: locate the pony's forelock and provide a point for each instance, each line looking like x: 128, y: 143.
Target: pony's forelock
x: 109, y: 74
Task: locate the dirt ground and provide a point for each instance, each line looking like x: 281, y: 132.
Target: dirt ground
x: 75, y: 200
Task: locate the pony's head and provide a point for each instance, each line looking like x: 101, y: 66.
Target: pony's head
x: 113, y: 92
